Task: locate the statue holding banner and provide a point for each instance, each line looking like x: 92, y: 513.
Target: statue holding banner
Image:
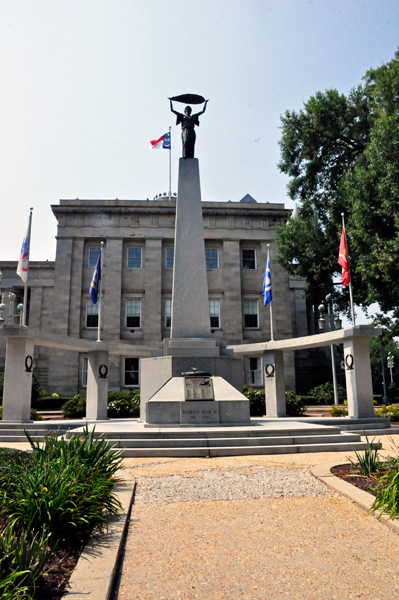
x: 188, y: 121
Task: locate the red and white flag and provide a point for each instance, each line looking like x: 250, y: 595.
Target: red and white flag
x: 343, y: 259
x: 22, y: 269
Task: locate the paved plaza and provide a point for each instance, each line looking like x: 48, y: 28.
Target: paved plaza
x: 297, y: 539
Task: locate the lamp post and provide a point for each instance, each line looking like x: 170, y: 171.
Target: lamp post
x: 335, y: 323
x: 390, y: 364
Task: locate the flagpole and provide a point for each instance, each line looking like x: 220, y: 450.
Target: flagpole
x: 27, y: 272
x: 350, y: 276
x: 271, y: 302
x: 100, y: 294
x: 170, y: 163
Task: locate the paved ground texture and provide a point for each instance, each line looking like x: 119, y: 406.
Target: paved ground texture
x: 252, y: 527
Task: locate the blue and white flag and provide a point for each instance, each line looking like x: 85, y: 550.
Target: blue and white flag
x: 22, y: 268
x: 267, y: 282
x: 162, y: 142
x: 93, y: 291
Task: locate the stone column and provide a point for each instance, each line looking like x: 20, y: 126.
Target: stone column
x: 18, y: 380
x: 273, y: 372
x: 97, y: 385
x: 112, y: 289
x: 190, y: 302
x: 359, y: 387
x: 152, y: 301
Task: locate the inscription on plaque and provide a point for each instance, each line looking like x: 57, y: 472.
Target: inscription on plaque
x: 198, y: 388
x: 199, y: 413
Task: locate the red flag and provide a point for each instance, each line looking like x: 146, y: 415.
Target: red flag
x: 343, y: 259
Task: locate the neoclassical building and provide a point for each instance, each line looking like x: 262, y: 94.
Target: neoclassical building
x: 138, y: 238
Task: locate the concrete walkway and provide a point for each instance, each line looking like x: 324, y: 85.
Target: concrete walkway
x: 286, y: 536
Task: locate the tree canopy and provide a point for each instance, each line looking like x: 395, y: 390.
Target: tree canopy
x: 341, y: 153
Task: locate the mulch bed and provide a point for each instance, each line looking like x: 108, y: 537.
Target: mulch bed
x: 346, y: 472
x: 63, y: 561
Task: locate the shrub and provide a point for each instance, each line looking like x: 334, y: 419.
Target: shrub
x: 257, y: 406
x: 338, y: 411
x: 122, y: 405
x: 75, y: 408
x: 324, y: 393
x: 10, y: 458
x: 392, y: 412
x: 294, y: 404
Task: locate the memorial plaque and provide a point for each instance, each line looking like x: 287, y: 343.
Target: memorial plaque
x: 198, y: 388
x: 199, y: 413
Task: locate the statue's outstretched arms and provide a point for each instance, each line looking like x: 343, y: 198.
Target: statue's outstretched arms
x: 202, y: 111
x: 174, y: 111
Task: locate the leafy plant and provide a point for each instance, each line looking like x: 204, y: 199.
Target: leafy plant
x: 75, y: 408
x: 368, y: 462
x: 392, y: 412
x: 324, y: 393
x: 337, y: 411
x: 33, y: 414
x: 294, y: 404
x: 121, y: 405
x: 256, y: 399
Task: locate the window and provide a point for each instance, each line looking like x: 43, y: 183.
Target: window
x: 250, y: 314
x: 131, y: 372
x: 212, y: 258
x: 169, y: 258
x: 248, y: 259
x: 85, y: 363
x: 134, y: 258
x: 214, y: 311
x: 133, y: 314
x: 91, y: 314
x: 254, y: 370
x: 168, y: 313
x: 94, y: 252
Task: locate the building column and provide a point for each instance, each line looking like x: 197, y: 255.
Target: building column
x: 232, y: 303
x: 273, y: 372
x: 152, y: 300
x: 97, y: 385
x: 359, y: 387
x: 112, y: 290
x: 18, y: 380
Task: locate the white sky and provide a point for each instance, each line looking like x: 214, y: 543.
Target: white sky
x: 85, y: 86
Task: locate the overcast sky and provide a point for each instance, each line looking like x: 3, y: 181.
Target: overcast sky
x: 85, y: 86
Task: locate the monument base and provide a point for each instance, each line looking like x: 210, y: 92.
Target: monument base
x: 169, y: 406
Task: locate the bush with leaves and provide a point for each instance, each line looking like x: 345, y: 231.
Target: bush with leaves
x: 324, y: 394
x: 124, y: 406
x: 256, y: 399
x: 75, y: 408
x: 33, y: 414
x: 392, y: 412
x: 295, y: 406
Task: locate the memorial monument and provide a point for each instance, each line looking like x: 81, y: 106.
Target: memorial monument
x: 193, y: 383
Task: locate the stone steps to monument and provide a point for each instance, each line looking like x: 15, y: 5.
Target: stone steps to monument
x: 243, y: 450
x: 235, y: 442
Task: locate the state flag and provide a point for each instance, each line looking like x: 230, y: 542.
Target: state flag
x: 163, y: 142
x: 267, y: 282
x: 93, y: 291
x: 22, y: 268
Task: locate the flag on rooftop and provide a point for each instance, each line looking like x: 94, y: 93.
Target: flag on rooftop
x: 267, y: 282
x: 93, y: 291
x: 343, y: 259
x: 163, y: 142
x: 22, y: 268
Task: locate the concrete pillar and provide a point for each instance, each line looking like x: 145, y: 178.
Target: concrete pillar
x: 232, y: 303
x: 112, y: 288
x: 273, y: 372
x: 190, y: 302
x: 359, y: 387
x: 18, y: 380
x: 97, y: 385
x: 152, y: 302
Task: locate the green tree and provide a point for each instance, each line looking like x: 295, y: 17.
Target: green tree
x: 341, y: 155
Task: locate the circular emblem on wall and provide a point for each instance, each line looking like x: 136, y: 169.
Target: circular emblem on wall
x: 269, y: 371
x: 349, y: 360
x: 28, y: 364
x: 103, y: 371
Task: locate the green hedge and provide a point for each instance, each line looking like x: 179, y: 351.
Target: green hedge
x: 294, y: 404
x: 120, y: 406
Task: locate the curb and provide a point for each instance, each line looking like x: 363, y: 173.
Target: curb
x: 360, y: 497
x: 95, y: 572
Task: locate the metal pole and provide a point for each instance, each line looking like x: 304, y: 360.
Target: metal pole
x: 350, y: 276
x: 271, y: 302
x: 332, y: 349
x: 100, y: 294
x: 27, y: 272
x: 384, y: 383
x: 170, y: 163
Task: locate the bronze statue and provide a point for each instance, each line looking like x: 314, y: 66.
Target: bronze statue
x: 188, y: 121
